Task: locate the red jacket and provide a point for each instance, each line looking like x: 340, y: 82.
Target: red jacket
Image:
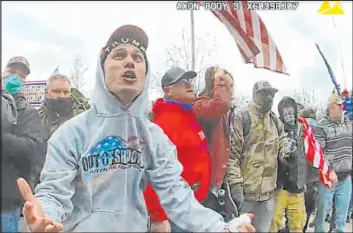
x: 180, y: 125
x: 212, y: 114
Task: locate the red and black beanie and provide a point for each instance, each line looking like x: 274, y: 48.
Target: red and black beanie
x: 126, y: 34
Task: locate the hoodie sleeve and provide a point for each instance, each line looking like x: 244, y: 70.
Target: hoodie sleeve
x: 60, y: 169
x: 153, y: 205
x: 175, y: 194
x: 320, y: 135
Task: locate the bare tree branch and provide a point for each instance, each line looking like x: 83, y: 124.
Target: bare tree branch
x: 179, y: 54
x: 309, y: 99
x: 155, y: 84
x: 77, y: 72
x: 241, y: 102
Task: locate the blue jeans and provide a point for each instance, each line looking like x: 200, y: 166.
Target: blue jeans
x: 342, y: 192
x: 10, y: 221
x: 350, y: 210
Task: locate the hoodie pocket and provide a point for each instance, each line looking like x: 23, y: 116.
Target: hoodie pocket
x: 109, y: 192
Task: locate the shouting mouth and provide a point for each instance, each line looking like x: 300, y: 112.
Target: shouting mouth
x: 129, y: 75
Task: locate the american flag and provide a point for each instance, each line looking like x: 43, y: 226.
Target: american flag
x: 315, y: 153
x: 250, y: 33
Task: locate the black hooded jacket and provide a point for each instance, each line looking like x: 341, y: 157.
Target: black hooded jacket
x: 22, y: 155
x: 292, y: 172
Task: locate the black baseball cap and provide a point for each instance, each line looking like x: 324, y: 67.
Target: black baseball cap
x: 20, y: 60
x: 175, y: 74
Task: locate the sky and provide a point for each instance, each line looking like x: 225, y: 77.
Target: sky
x: 49, y: 34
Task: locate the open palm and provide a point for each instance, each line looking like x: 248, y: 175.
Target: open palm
x: 33, y: 211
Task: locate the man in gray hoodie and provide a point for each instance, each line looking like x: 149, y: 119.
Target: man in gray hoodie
x: 98, y: 162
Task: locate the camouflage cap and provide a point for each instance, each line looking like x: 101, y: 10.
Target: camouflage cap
x: 20, y: 60
x: 263, y: 85
x: 334, y: 98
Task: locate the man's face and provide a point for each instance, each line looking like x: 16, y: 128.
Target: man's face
x: 16, y: 69
x: 264, y: 98
x: 230, y: 81
x: 125, y: 72
x: 58, y: 88
x: 289, y: 115
x: 335, y: 110
x: 181, y: 91
x: 218, y: 72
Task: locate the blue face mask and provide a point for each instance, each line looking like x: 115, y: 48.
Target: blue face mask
x: 13, y: 84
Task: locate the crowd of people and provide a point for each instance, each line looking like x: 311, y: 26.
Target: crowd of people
x: 192, y: 163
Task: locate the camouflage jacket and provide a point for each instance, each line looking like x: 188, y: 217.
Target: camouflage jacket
x: 52, y: 120
x: 253, y: 160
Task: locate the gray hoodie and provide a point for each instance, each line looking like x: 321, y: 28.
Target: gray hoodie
x: 98, y: 163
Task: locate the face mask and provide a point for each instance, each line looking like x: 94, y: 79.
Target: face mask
x: 13, y: 84
x: 59, y: 104
x: 312, y: 122
x: 264, y: 103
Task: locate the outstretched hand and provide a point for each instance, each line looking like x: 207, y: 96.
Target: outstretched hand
x: 33, y: 211
x: 241, y: 224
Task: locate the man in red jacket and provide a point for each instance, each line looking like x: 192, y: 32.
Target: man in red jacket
x: 175, y: 116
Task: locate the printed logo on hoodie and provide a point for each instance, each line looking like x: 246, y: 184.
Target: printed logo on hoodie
x: 113, y: 153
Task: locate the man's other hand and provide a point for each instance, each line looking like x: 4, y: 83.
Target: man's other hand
x: 33, y: 212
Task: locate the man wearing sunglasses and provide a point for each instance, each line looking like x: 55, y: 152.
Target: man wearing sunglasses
x: 174, y: 115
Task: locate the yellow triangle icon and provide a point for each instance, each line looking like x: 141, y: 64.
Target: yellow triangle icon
x: 326, y: 8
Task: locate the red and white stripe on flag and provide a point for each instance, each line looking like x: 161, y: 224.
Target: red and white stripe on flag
x: 250, y: 33
x: 314, y: 153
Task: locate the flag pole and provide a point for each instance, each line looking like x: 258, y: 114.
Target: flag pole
x: 340, y: 52
x: 55, y: 71
x: 192, y: 24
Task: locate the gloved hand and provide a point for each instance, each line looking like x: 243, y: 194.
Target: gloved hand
x: 238, y: 196
x: 290, y: 146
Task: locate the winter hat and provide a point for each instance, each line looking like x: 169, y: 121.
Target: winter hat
x: 309, y: 113
x: 126, y: 34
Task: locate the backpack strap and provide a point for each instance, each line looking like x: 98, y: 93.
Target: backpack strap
x: 275, y: 120
x: 230, y: 120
